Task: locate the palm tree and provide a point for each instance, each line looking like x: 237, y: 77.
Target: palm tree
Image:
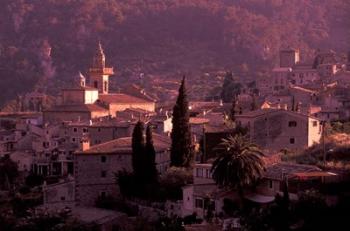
x: 239, y: 164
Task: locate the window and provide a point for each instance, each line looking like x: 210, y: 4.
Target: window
x: 103, y: 159
x: 314, y: 123
x: 75, y: 129
x: 98, y: 129
x: 103, y: 174
x: 207, y: 173
x: 73, y: 139
x: 85, y: 130
x: 199, y: 172
x: 95, y: 84
x: 292, y: 124
x: 292, y: 140
x: 63, y: 198
x: 270, y: 184
x: 198, y: 203
x: 103, y: 194
x: 105, y: 86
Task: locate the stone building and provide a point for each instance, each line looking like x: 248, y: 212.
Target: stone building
x: 86, y: 102
x: 275, y: 129
x: 289, y: 57
x: 95, y: 166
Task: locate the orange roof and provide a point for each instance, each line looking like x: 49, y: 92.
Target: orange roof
x: 313, y: 174
x: 123, y: 145
x: 77, y: 108
x: 121, y: 99
x: 197, y: 120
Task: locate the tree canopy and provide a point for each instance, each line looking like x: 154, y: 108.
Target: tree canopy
x: 181, y: 145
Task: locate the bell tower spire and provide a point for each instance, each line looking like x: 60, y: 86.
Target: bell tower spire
x: 99, y: 73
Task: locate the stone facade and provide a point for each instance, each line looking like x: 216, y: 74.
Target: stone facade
x: 278, y: 129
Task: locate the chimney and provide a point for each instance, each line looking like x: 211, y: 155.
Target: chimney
x: 84, y: 144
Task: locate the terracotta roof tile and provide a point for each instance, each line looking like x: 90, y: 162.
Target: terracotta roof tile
x: 122, y: 99
x: 123, y: 145
x: 77, y: 108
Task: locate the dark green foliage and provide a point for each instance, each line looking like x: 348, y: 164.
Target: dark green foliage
x: 41, y: 221
x: 197, y: 32
x: 150, y: 158
x: 169, y: 224
x: 34, y: 180
x: 230, y: 89
x: 233, y: 110
x: 143, y: 155
x: 169, y: 186
x: 126, y: 182
x: 105, y: 202
x: 239, y: 163
x: 138, y: 147
x: 8, y: 172
x: 21, y: 205
x: 181, y: 145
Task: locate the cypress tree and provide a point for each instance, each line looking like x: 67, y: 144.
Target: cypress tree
x: 230, y: 88
x: 150, y: 157
x: 181, y: 146
x: 138, y: 147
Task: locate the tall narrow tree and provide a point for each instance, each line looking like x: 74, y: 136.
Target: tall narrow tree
x: 230, y: 88
x: 138, y: 147
x: 181, y: 146
x: 150, y: 157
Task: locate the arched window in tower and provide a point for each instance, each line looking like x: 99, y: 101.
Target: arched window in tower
x: 105, y: 86
x: 95, y: 84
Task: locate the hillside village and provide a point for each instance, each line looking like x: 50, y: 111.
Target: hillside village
x: 77, y: 152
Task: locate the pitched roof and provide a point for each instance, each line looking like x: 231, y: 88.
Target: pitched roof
x: 80, y: 88
x: 262, y: 112
x: 277, y: 170
x: 139, y: 92
x: 77, y: 108
x: 122, y: 99
x: 198, y: 120
x: 303, y: 89
x: 123, y: 145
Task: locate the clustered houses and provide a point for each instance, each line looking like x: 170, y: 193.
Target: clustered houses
x: 204, y: 194
x: 94, y: 101
x: 53, y: 143
x: 86, y: 138
x: 318, y: 88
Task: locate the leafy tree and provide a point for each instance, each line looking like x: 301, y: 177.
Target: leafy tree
x: 138, y: 146
x: 181, y: 146
x: 150, y: 157
x: 8, y: 171
x: 239, y: 163
x: 230, y: 89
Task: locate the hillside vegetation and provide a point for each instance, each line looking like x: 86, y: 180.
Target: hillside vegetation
x: 44, y: 43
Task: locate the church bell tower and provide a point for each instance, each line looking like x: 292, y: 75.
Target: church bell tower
x: 99, y: 73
